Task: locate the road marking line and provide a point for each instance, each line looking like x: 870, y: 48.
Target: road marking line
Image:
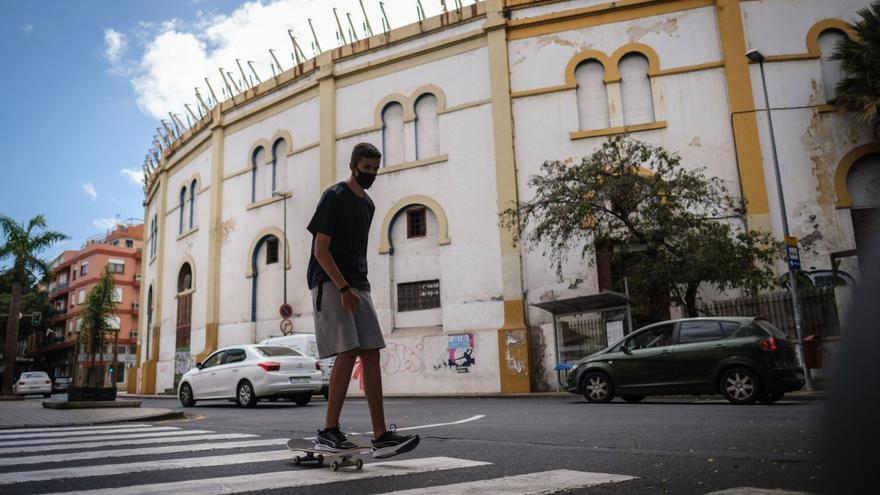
x: 140, y: 467
x: 101, y: 454
x: 523, y: 484
x: 461, y: 421
x: 142, y: 441
x: 73, y: 428
x: 80, y: 433
x: 743, y: 490
x: 43, y: 441
x: 290, y: 478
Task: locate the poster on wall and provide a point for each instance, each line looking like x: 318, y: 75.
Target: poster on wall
x: 459, y: 354
x: 614, y: 330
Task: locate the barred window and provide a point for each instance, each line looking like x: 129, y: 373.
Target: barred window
x: 271, y: 251
x: 415, y: 223
x: 414, y: 296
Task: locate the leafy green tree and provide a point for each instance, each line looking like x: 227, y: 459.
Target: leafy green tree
x: 23, y: 245
x: 95, y: 328
x: 859, y: 90
x: 673, y: 229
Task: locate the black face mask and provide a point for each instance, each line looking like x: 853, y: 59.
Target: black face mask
x: 365, y: 179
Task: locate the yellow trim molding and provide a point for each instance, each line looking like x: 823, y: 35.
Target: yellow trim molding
x: 571, y: 81
x: 417, y: 163
x: 274, y: 231
x: 822, y: 26
x: 187, y: 233
x: 618, y: 130
x: 844, y: 200
x: 281, y: 135
x: 385, y: 246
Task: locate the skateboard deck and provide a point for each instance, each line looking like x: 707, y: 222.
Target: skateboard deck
x: 346, y: 458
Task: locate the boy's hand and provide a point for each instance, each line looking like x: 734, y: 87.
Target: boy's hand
x: 350, y: 301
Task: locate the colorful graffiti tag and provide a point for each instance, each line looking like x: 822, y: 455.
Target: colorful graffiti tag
x: 459, y: 354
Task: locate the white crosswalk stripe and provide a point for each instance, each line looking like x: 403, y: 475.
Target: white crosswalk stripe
x: 149, y: 434
x: 202, y: 450
x: 81, y: 433
x: 75, y: 428
x: 24, y: 449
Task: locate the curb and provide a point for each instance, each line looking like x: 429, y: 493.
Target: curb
x: 170, y: 414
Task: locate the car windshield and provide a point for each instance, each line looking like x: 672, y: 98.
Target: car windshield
x: 34, y: 375
x: 277, y: 350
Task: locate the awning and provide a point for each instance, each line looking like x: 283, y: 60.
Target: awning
x: 585, y: 304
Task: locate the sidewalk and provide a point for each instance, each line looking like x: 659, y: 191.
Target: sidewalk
x: 31, y: 413
x: 800, y: 395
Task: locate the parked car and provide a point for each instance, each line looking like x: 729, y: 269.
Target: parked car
x: 306, y: 344
x: 249, y: 373
x: 33, y: 382
x: 61, y: 384
x: 744, y: 359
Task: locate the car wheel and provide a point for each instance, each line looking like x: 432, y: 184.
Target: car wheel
x: 303, y: 399
x: 245, y: 394
x: 772, y: 397
x: 597, y: 387
x: 740, y: 386
x: 187, y: 399
x: 633, y: 399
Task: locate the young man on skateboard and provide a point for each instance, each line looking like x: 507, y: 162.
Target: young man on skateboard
x: 346, y: 325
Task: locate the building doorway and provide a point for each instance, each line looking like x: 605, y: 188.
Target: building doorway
x: 182, y: 357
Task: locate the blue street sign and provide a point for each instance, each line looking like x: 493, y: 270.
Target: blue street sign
x: 793, y: 255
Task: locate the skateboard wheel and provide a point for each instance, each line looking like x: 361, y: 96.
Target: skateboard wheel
x: 359, y: 464
x: 297, y: 459
x: 320, y: 459
x: 334, y: 466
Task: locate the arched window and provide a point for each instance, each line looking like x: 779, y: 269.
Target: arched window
x: 184, y: 278
x: 592, y: 95
x: 256, y: 159
x: 831, y: 72
x: 267, y: 275
x: 635, y: 89
x: 279, y: 169
x: 192, y: 202
x: 149, y: 320
x: 427, y: 132
x: 154, y: 232
x: 392, y: 134
x: 182, y: 208
x: 863, y: 184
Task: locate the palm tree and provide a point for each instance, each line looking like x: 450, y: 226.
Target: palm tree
x: 859, y: 90
x: 23, y: 244
x: 95, y: 328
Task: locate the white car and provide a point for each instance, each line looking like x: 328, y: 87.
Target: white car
x: 248, y: 373
x: 33, y: 382
x: 306, y: 344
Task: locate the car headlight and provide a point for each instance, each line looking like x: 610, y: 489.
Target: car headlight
x: 574, y: 367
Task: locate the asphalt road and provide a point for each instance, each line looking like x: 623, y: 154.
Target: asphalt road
x: 680, y: 447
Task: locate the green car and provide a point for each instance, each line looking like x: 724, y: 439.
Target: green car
x: 744, y: 359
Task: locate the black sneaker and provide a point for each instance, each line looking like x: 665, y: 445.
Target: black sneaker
x: 391, y: 444
x: 332, y: 440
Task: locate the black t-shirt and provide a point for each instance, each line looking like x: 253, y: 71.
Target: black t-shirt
x: 346, y: 218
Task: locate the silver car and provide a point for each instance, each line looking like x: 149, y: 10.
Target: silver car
x: 248, y: 373
x: 33, y: 382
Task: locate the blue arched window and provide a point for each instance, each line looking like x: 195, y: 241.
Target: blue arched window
x: 192, y: 202
x: 268, y: 238
x: 277, y: 178
x: 255, y: 170
x: 182, y: 205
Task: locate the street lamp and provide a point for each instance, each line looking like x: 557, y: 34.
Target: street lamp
x: 757, y: 57
x: 284, y: 248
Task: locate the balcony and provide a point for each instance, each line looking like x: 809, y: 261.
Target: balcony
x: 58, y: 287
x: 135, y: 307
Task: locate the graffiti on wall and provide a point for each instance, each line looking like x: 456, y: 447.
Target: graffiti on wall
x: 395, y: 358
x: 459, y: 354
x: 183, y: 362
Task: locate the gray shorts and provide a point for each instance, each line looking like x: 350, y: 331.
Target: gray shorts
x: 337, y: 330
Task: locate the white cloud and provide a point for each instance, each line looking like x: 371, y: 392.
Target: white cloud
x: 90, y: 190
x: 115, y: 44
x: 104, y: 223
x: 27, y: 28
x: 179, y: 55
x: 135, y: 177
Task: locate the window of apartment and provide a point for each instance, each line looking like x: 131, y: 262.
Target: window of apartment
x: 415, y: 296
x: 129, y: 243
x: 116, y: 265
x: 117, y: 294
x: 831, y: 69
x: 635, y: 89
x: 73, y: 272
x: 84, y: 268
x: 415, y: 223
x: 592, y: 95
x: 426, y: 127
x: 192, y: 202
x: 181, y: 206
x: 154, y: 232
x: 82, y: 296
x: 114, y: 322
x: 271, y: 250
x: 392, y: 134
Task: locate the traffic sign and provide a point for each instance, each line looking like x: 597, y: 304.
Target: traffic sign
x: 791, y: 241
x: 286, y: 311
x: 793, y: 256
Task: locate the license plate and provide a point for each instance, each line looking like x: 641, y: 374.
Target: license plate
x: 299, y: 379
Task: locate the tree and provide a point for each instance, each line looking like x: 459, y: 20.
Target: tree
x: 674, y: 229
x: 23, y: 244
x: 96, y: 328
x: 859, y: 90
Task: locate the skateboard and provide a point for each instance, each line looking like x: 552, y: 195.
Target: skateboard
x: 349, y: 457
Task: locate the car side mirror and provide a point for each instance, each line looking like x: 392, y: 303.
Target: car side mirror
x: 199, y: 365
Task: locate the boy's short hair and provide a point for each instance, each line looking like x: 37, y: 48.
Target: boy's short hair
x: 364, y: 150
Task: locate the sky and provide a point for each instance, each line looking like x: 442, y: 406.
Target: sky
x: 86, y: 82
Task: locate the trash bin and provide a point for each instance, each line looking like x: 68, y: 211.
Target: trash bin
x: 813, y: 351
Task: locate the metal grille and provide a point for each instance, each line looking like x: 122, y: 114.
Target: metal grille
x: 414, y: 296
x: 415, y: 221
x: 271, y: 251
x: 580, y: 335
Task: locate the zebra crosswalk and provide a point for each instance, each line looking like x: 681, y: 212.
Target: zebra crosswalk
x: 139, y: 459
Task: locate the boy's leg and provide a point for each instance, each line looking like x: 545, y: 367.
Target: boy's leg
x: 339, y: 380
x: 372, y: 376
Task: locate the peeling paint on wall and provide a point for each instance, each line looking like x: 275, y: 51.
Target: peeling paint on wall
x: 554, y: 39
x: 695, y: 142
x: 514, y: 339
x: 669, y: 26
x: 228, y: 228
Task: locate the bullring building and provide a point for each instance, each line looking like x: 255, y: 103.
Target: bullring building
x: 466, y: 106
